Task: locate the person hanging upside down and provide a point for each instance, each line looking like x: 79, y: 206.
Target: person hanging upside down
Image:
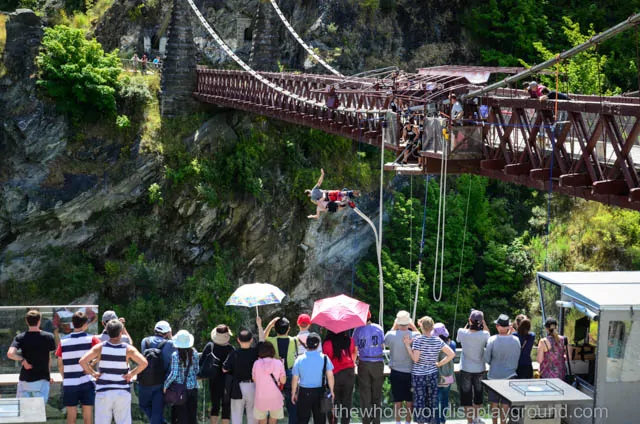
x: 330, y: 200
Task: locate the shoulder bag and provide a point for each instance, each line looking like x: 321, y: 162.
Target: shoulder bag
x: 211, y: 366
x: 327, y: 401
x: 176, y: 393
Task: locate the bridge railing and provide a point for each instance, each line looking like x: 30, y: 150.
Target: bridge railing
x: 354, y: 111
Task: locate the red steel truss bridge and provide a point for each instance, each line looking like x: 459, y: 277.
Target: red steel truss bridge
x: 589, y: 150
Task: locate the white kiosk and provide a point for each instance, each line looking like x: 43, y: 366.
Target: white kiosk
x: 600, y: 314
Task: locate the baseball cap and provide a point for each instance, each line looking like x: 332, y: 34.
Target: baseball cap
x: 304, y: 320
x: 503, y: 321
x: 476, y: 315
x: 440, y: 330
x: 162, y: 327
x: 108, y: 316
x: 313, y: 341
x: 403, y: 318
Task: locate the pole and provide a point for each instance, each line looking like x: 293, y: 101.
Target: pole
x: 379, y: 238
x: 596, y: 39
x: 257, y: 315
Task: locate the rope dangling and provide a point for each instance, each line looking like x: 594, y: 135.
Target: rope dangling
x: 424, y: 221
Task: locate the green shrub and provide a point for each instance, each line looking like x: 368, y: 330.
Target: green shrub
x: 77, y: 73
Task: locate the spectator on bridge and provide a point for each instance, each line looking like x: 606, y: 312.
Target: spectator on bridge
x: 534, y: 89
x: 35, y: 348
x: 457, y: 111
x: 410, y: 136
x: 156, y: 61
x: 143, y: 63
x: 502, y: 354
x: 400, y: 364
x: 552, y: 95
x: 135, y: 60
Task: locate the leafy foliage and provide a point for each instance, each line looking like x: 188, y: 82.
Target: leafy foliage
x: 77, y: 73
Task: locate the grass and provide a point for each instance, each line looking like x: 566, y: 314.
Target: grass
x: 85, y: 21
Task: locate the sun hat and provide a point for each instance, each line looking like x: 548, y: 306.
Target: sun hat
x: 183, y: 340
x: 403, y: 318
x: 108, y: 316
x: 440, y: 330
x: 221, y: 335
x: 503, y: 321
x: 162, y: 327
x: 304, y: 320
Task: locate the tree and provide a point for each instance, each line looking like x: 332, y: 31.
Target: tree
x: 77, y: 73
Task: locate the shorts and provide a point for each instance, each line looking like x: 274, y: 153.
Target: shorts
x: 84, y: 394
x: 276, y: 414
x: 401, y: 390
x: 494, y: 397
x: 471, y: 392
x: 38, y: 388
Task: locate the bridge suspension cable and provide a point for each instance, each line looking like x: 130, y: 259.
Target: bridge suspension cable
x: 264, y: 80
x: 301, y: 41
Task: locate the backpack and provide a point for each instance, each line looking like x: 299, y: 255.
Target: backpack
x: 153, y: 375
x: 210, y: 367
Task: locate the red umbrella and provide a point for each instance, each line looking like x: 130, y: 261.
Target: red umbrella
x: 339, y: 313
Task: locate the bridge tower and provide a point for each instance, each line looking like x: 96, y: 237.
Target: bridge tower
x: 179, y: 67
x: 264, y: 45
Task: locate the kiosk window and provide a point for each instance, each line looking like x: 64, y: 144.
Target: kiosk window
x: 623, y: 351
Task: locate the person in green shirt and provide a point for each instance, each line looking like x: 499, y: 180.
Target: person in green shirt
x: 286, y: 350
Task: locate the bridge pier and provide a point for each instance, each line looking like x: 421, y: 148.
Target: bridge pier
x: 179, y: 76
x: 264, y: 45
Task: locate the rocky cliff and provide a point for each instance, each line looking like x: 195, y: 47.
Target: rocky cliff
x: 90, y: 194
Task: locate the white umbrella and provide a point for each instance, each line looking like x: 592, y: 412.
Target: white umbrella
x: 256, y: 294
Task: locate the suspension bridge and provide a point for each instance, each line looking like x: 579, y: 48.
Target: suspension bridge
x: 586, y: 146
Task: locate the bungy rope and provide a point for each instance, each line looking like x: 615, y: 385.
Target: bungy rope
x: 301, y: 41
x: 464, y: 239
x: 262, y: 79
x: 424, y: 220
x: 442, y: 210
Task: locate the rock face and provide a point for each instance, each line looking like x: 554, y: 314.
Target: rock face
x: 32, y: 134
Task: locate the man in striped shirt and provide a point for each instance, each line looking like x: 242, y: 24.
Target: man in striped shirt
x: 113, y: 380
x: 77, y: 386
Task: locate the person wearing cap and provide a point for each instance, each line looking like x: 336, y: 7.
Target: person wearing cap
x: 502, y: 354
x: 239, y: 364
x: 534, y: 89
x: 113, y: 378
x: 446, y: 372
x: 304, y: 324
x: 307, y: 375
x: 424, y: 351
x: 473, y: 337
x: 400, y: 364
x: 108, y: 316
x: 150, y: 398
x: 184, y: 361
x: 369, y: 341
x: 77, y: 386
x: 221, y: 348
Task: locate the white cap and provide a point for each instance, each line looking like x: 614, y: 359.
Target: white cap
x: 162, y: 327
